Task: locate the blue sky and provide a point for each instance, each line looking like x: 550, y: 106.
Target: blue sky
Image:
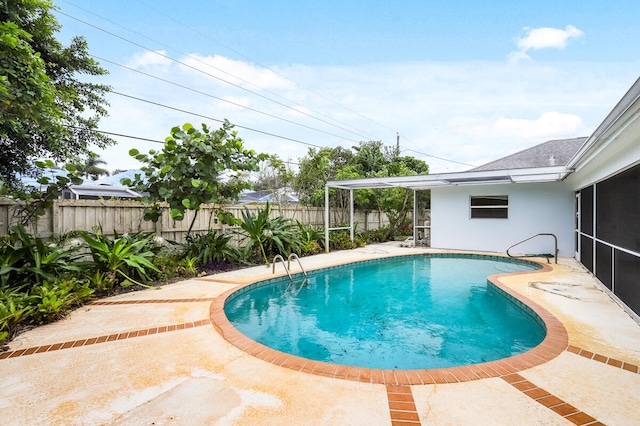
x: 466, y: 81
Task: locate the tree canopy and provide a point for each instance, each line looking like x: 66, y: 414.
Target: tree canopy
x: 194, y: 167
x: 45, y: 110
x: 368, y: 159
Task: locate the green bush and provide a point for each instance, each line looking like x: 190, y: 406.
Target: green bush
x: 209, y: 248
x: 266, y: 237
x: 26, y: 260
x: 124, y: 260
x: 55, y: 300
x: 16, y: 308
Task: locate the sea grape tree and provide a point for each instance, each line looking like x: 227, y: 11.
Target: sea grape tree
x: 194, y: 167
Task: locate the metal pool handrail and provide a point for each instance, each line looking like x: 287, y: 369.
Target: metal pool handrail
x: 273, y: 266
x: 555, y: 252
x: 295, y: 256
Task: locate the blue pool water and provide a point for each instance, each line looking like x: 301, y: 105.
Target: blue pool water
x: 414, y: 312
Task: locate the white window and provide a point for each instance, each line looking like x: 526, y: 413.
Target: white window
x: 490, y: 207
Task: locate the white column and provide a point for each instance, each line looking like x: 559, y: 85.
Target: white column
x: 326, y: 219
x: 415, y: 217
x: 351, y: 213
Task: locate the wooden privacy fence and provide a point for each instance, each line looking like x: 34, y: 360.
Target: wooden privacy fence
x: 128, y: 216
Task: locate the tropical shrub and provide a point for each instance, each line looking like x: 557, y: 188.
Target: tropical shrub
x: 212, y: 247
x: 15, y: 307
x: 26, y: 260
x: 123, y: 260
x: 341, y: 240
x: 312, y: 239
x: 54, y: 300
x: 266, y: 237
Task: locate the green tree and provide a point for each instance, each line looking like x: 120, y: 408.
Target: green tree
x: 193, y: 168
x: 273, y: 174
x: 369, y: 159
x: 45, y: 111
x: 90, y: 167
x: 318, y: 167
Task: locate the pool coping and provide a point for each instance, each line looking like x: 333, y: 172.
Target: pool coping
x: 554, y: 343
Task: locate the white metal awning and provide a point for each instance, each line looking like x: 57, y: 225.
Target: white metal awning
x: 422, y: 182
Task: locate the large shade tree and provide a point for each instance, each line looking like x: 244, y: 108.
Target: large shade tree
x: 46, y: 111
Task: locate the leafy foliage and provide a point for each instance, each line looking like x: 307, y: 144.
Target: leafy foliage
x: 45, y: 111
x: 26, y: 260
x: 194, y: 167
x: 312, y: 239
x: 211, y: 247
x: 265, y: 236
x: 54, y: 300
x: 122, y: 260
x: 368, y: 159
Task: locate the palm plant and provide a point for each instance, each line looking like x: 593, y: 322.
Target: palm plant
x: 121, y: 257
x: 267, y: 237
x: 28, y: 260
x: 210, y: 248
x: 91, y: 167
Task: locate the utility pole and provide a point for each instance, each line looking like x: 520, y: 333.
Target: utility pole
x: 397, y: 144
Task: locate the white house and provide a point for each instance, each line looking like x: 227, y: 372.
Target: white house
x: 584, y: 191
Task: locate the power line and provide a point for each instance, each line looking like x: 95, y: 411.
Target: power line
x: 262, y: 66
x: 182, y: 86
x: 439, y: 158
x: 251, y: 129
x: 225, y: 72
x: 209, y: 75
x: 232, y: 84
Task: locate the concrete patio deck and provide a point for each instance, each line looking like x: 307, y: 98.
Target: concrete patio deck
x: 154, y: 358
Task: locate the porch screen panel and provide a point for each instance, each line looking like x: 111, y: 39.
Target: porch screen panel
x: 604, y: 266
x: 586, y: 253
x: 617, y: 207
x: 586, y: 210
x: 627, y: 267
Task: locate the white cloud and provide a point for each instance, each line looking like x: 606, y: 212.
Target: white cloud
x: 467, y: 112
x: 548, y: 125
x: 149, y: 59
x: 237, y: 72
x: 543, y: 38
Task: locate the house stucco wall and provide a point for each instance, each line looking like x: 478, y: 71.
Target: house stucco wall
x: 533, y: 208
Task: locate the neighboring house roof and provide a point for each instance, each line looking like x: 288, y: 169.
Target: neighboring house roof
x: 548, y: 154
x: 102, y: 191
x: 114, y: 180
x: 280, y: 195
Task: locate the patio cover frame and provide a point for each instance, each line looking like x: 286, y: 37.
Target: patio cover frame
x: 426, y: 182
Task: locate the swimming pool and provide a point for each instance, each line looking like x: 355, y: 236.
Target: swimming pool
x: 409, y: 312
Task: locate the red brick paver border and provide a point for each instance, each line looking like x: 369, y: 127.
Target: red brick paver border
x: 402, y: 407
x: 550, y: 401
x: 605, y: 359
x: 102, y: 339
x: 147, y: 301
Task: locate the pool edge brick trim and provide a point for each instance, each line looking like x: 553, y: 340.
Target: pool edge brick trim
x: 554, y: 343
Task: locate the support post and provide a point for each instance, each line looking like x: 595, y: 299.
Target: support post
x: 326, y: 219
x: 351, y: 214
x: 415, y: 216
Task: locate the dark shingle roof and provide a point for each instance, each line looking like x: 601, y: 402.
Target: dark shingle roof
x: 548, y: 154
